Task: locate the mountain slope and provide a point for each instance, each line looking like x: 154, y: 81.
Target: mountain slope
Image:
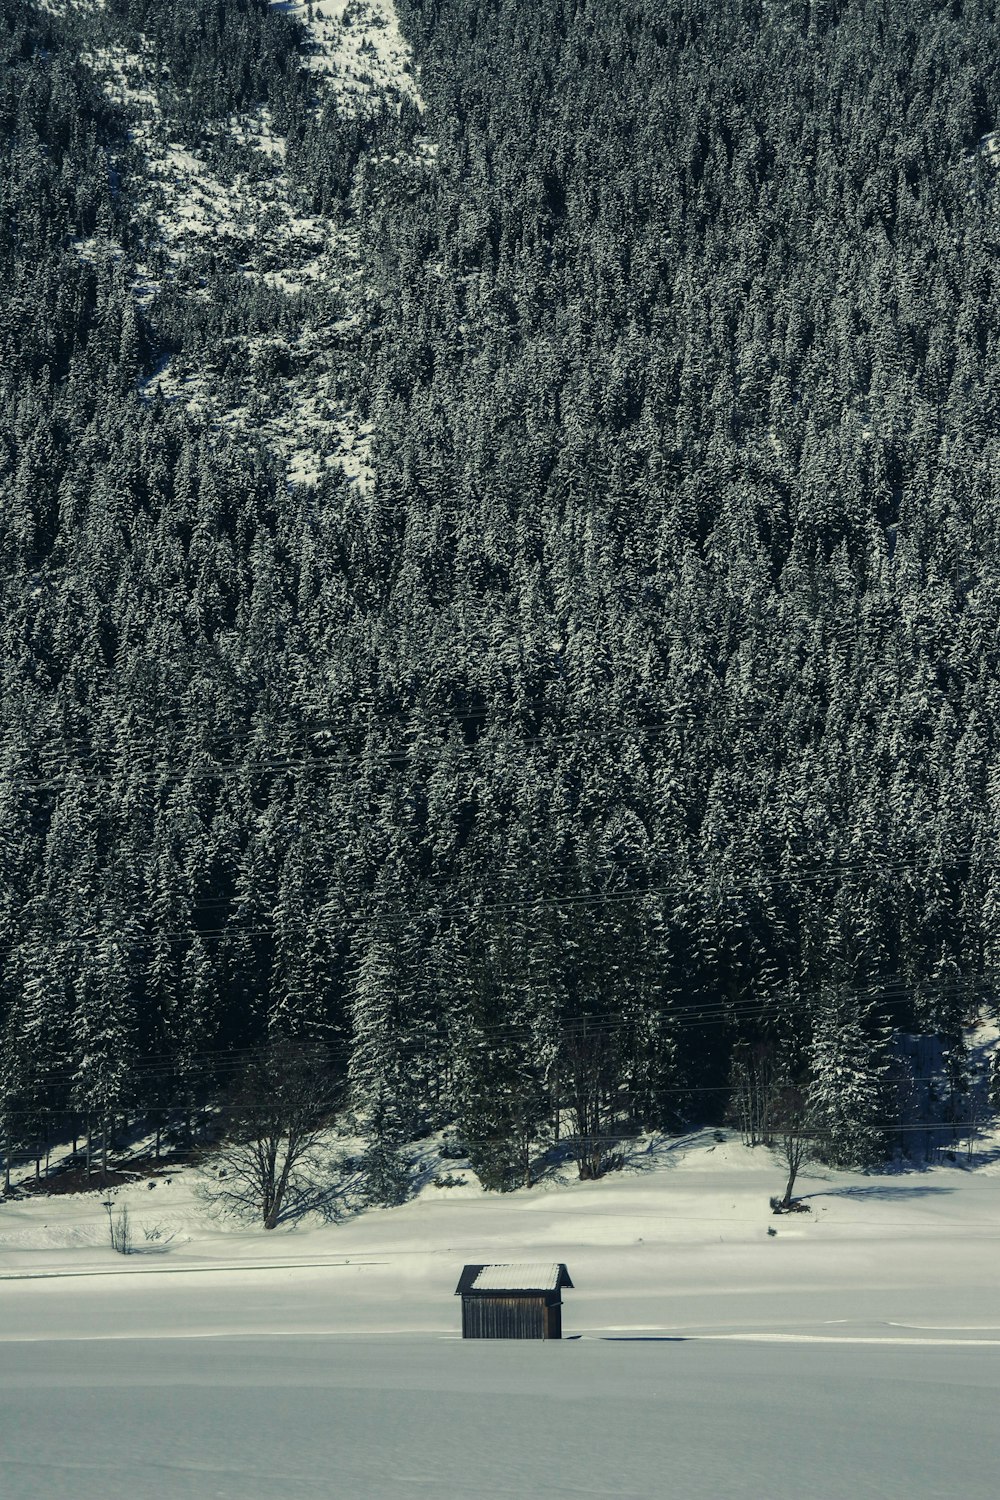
x: 501, y: 572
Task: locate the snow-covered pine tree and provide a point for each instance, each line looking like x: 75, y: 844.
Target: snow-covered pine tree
x: 847, y: 1068
x: 103, y: 1031
x: 381, y: 1094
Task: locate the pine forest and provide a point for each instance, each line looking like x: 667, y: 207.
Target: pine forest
x: 500, y: 566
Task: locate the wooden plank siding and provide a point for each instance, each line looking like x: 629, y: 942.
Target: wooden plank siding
x: 498, y: 1317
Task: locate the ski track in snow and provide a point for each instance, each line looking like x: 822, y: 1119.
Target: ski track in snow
x: 358, y: 54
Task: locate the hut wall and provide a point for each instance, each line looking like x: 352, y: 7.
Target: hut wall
x: 504, y: 1318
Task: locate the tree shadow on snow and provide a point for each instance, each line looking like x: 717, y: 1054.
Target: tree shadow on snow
x: 650, y: 1153
x: 881, y: 1190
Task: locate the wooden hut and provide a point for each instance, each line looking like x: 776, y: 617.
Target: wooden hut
x: 512, y: 1302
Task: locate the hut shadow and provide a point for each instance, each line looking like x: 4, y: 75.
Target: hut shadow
x: 642, y: 1338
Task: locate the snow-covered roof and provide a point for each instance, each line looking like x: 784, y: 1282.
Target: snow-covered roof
x: 529, y: 1276
x: 523, y: 1277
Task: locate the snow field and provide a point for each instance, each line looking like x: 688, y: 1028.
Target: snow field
x: 308, y: 1419
x: 854, y: 1353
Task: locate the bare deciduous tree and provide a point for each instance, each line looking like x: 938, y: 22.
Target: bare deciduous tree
x: 277, y: 1111
x: 754, y: 1082
x: 589, y: 1074
x: 790, y: 1123
x: 119, y: 1227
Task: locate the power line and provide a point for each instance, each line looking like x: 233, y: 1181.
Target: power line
x: 247, y: 765
x: 119, y: 763
x: 473, y: 908
x: 556, y: 1029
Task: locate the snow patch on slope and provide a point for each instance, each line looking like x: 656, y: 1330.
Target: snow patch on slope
x: 356, y: 46
x: 252, y: 221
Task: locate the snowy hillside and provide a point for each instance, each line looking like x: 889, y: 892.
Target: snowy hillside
x: 500, y: 685
x: 248, y: 216
x: 357, y: 48
x: 689, y: 1219
x: 499, y: 617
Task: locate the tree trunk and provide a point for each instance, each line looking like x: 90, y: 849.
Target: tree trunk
x: 281, y: 1186
x: 794, y: 1153
x: 786, y: 1201
x: 270, y: 1197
